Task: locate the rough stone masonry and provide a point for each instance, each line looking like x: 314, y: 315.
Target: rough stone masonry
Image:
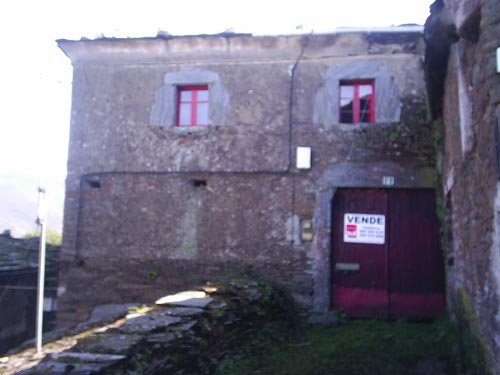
x: 152, y: 207
x: 462, y: 39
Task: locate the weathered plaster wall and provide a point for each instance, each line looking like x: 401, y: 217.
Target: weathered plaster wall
x: 153, y: 208
x: 470, y: 176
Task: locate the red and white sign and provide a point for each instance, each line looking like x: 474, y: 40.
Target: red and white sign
x: 364, y: 228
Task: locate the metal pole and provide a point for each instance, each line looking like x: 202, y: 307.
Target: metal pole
x: 42, y: 215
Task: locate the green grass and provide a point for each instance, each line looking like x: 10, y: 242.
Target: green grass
x: 51, y: 237
x: 354, y: 347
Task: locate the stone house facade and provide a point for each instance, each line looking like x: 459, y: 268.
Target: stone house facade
x: 192, y: 157
x: 463, y: 41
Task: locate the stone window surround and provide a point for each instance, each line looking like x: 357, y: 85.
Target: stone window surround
x: 387, y: 104
x: 164, y: 107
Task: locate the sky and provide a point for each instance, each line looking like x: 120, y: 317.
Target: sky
x: 35, y: 76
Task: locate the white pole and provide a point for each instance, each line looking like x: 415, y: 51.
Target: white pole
x: 42, y: 215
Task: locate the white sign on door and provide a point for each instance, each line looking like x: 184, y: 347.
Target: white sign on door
x: 364, y: 228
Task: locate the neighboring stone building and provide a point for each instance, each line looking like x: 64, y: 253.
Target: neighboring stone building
x: 195, y: 156
x: 18, y: 289
x: 463, y: 37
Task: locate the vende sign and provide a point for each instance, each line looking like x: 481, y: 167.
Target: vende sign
x: 364, y: 228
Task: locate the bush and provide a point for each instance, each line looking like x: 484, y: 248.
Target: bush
x: 51, y: 237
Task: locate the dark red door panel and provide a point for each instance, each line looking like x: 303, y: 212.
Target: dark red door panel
x: 359, y: 269
x: 416, y: 278
x: 403, y: 276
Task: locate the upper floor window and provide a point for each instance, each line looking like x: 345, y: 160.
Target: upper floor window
x: 357, y: 102
x: 192, y: 105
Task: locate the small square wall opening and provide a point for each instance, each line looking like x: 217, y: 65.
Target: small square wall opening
x: 199, y: 183
x: 94, y: 182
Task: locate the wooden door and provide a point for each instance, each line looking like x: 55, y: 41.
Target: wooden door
x: 386, y: 259
x: 359, y: 269
x: 416, y: 277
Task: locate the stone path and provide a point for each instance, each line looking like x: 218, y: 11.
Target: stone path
x: 184, y: 333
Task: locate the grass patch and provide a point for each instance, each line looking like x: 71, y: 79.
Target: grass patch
x: 51, y: 237
x: 354, y: 347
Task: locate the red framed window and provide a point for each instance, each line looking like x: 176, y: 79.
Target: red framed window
x: 357, y: 102
x: 192, y: 105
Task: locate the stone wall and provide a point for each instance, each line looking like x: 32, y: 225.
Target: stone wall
x: 469, y: 168
x: 151, y: 207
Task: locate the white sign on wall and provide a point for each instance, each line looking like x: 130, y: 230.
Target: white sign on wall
x: 364, y: 228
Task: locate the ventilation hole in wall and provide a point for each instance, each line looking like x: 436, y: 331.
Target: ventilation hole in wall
x: 199, y: 183
x: 95, y: 184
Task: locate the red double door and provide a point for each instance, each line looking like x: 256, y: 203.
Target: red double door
x: 386, y: 257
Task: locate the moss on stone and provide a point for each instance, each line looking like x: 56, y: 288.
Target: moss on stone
x: 476, y: 357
